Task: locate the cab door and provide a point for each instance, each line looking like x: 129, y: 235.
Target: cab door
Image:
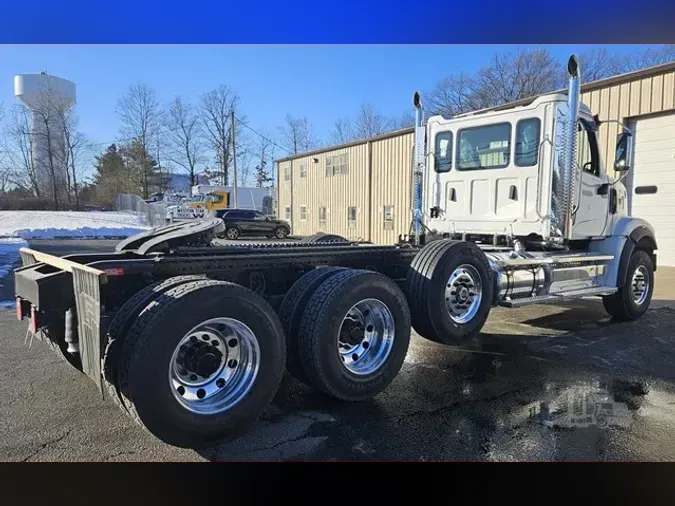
x: 591, y: 216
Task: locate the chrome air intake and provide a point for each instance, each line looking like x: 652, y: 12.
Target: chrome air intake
x: 565, y: 173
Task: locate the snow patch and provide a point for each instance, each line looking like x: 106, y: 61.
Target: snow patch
x: 9, y: 255
x: 69, y: 224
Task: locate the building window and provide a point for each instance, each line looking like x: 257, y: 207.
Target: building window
x: 303, y: 170
x: 443, y: 152
x: 527, y: 142
x: 303, y: 213
x: 388, y: 217
x: 484, y: 147
x: 287, y: 213
x: 322, y: 216
x: 287, y: 173
x: 351, y: 217
x: 337, y: 164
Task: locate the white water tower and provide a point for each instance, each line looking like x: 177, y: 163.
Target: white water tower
x: 49, y: 98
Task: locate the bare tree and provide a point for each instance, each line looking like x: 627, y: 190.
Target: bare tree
x: 520, y: 74
x: 650, y: 57
x: 185, y: 137
x: 18, y: 146
x: 524, y: 73
x: 370, y: 122
x: 405, y: 120
x: 508, y: 77
x: 74, y: 149
x: 597, y: 63
x: 48, y: 112
x: 297, y: 135
x: 342, y: 132
x: 139, y: 114
x: 265, y: 149
x: 452, y: 95
x: 216, y: 108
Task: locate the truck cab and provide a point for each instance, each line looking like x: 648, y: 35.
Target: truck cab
x: 212, y: 201
x: 526, y: 183
x: 487, y: 172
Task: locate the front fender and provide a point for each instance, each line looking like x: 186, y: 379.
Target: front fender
x: 628, y: 234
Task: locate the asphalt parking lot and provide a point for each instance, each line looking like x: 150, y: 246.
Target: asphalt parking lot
x: 521, y: 392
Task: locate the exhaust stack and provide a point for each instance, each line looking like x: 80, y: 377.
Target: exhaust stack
x: 565, y: 170
x: 570, y: 146
x: 418, y: 168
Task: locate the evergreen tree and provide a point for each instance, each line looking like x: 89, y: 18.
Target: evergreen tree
x: 262, y: 175
x: 113, y: 176
x: 141, y: 163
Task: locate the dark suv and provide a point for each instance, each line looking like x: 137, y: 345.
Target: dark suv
x: 245, y: 222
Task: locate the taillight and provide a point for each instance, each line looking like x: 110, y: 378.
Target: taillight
x: 19, y: 308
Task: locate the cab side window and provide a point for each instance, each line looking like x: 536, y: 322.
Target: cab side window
x: 588, y: 155
x: 527, y: 142
x: 443, y: 152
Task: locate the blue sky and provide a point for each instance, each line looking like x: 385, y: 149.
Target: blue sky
x: 320, y: 82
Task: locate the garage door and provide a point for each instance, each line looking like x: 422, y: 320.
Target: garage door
x: 654, y: 164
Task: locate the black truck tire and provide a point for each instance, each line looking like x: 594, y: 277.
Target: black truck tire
x: 337, y: 367
x: 149, y: 354
x: 290, y: 313
x: 430, y: 291
x: 323, y: 238
x: 120, y: 324
x: 632, y: 299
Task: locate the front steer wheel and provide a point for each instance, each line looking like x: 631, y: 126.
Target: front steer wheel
x: 201, y: 362
x: 354, y: 335
x: 632, y: 299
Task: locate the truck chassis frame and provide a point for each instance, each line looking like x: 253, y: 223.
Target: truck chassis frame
x: 86, y: 306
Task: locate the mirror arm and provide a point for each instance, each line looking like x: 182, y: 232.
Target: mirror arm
x: 624, y: 127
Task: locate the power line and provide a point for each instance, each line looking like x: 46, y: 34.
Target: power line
x: 263, y: 136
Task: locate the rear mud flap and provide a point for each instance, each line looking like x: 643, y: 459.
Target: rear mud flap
x: 88, y: 303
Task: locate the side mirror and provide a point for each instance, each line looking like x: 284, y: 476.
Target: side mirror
x: 621, y: 157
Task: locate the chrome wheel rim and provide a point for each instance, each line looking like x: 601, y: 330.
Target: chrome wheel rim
x: 214, y: 366
x: 366, y: 337
x: 232, y: 233
x: 463, y: 293
x: 640, y: 285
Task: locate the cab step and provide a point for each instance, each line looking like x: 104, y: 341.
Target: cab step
x: 555, y: 261
x: 559, y: 297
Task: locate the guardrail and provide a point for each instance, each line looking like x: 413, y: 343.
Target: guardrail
x: 152, y: 215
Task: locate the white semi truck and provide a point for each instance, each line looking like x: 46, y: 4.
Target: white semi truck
x: 192, y: 339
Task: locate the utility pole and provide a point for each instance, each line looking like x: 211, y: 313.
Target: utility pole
x: 234, y: 162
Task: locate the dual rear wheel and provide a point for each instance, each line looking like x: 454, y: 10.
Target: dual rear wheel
x: 195, y: 360
x: 347, y: 331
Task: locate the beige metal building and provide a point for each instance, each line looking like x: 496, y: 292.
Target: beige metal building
x: 363, y: 189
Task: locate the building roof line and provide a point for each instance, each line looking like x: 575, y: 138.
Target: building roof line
x: 585, y: 87
x: 386, y: 135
